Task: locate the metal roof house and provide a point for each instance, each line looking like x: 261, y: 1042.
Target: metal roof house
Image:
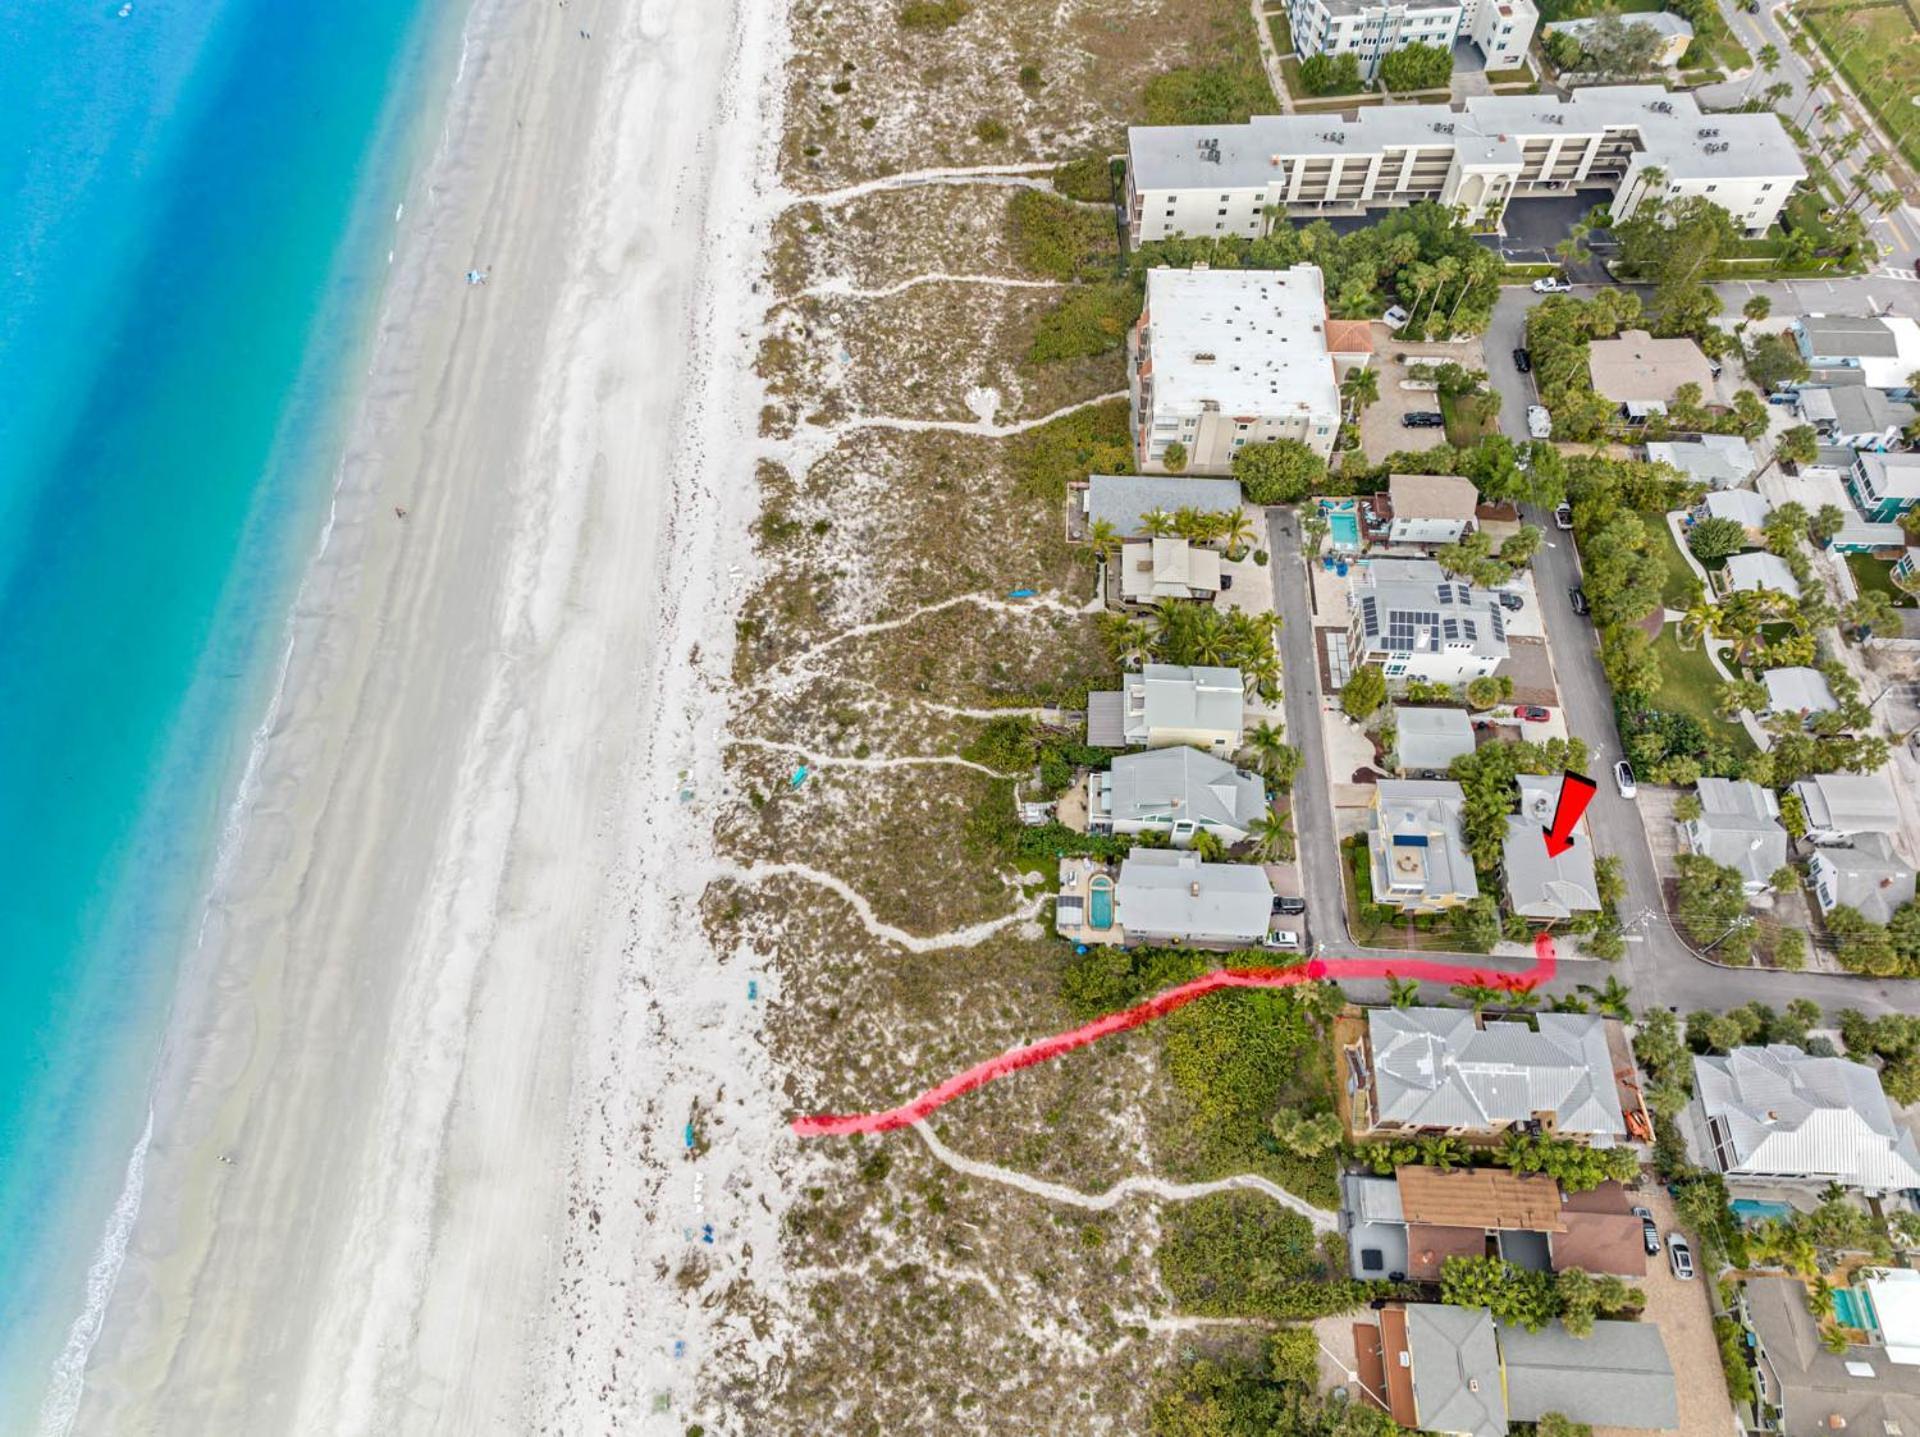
x: 1454, y: 1370
x: 1839, y: 805
x: 1167, y: 567
x: 1546, y: 888
x: 1417, y: 852
x: 1718, y: 460
x: 1877, y: 351
x: 1743, y: 506
x: 1429, y: 740
x: 1417, y: 623
x: 1868, y: 877
x: 1444, y: 1070
x: 1167, y: 704
x: 1883, y: 486
x: 1164, y: 896
x: 1752, y: 572
x: 1778, y: 1115
x: 1739, y: 828
x: 1798, y: 689
x: 1871, y: 1388
x: 1180, y: 792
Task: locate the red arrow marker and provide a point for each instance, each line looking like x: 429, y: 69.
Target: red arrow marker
x: 1576, y: 792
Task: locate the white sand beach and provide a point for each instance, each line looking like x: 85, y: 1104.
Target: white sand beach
x: 417, y: 1162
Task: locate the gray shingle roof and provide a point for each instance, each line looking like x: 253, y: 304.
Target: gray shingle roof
x: 1835, y: 336
x: 1456, y: 1370
x: 1163, y: 892
x: 1617, y: 1376
x: 1435, y: 1068
x: 1120, y: 499
x: 1779, y: 1112
x: 1814, y: 1384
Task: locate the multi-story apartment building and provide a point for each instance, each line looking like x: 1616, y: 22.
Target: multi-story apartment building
x: 1229, y: 357
x: 1369, y: 29
x: 1639, y: 141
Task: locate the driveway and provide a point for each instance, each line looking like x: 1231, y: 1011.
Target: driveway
x: 1381, y: 430
x: 1685, y: 1316
x: 1534, y: 226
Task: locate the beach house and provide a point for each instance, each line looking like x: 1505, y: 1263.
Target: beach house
x: 1164, y: 705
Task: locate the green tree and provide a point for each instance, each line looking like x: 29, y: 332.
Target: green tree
x: 1711, y: 539
x: 1712, y: 899
x: 1874, y: 613
x: 1631, y: 663
x: 1174, y: 459
x: 1773, y: 360
x: 1361, y: 388
x: 1279, y: 472
x: 1307, y: 1135
x: 1330, y: 74
x: 1365, y: 691
x: 1510, y: 1293
x: 1757, y: 308
x: 1826, y: 521
x: 1402, y: 992
x: 1416, y: 67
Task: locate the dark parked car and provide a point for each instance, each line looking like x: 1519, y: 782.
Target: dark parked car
x: 1523, y: 361
x: 1649, y: 1231
x: 1532, y: 713
x: 1510, y: 601
x: 1578, y: 598
x: 1423, y: 419
x: 1289, y: 905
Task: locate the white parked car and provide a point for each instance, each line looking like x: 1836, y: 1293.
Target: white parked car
x: 1539, y: 421
x: 1679, y: 1257
x: 1552, y: 285
x: 1283, y: 938
x: 1394, y: 317
x: 1623, y: 779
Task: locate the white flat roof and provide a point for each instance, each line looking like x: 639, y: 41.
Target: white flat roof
x: 1252, y: 342
x: 1678, y: 137
x: 1896, y: 1302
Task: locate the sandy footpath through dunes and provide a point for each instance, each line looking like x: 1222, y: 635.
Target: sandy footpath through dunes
x: 417, y: 1162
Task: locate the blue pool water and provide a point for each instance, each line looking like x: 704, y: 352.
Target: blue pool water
x: 1343, y: 524
x: 1853, y: 1308
x: 195, y: 210
x: 1100, y: 903
x: 1750, y: 1210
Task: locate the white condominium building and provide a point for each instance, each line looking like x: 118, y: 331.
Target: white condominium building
x: 1368, y: 29
x: 1223, y: 358
x: 1222, y: 179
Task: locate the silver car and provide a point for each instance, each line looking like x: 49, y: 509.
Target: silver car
x: 1680, y: 1257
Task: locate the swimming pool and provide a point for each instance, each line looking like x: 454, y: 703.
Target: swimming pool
x: 1853, y: 1308
x: 1343, y: 524
x: 1100, y: 902
x: 1752, y: 1210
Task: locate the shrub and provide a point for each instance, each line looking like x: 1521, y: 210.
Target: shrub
x: 1089, y: 179
x: 1055, y: 237
x: 1174, y: 457
x: 1242, y: 1255
x: 1416, y: 67
x: 1279, y: 472
x: 1092, y: 319
x: 1365, y: 691
x: 1213, y: 95
x: 1330, y: 75
x: 1716, y: 538
x: 1093, y: 440
x: 990, y: 132
x: 932, y: 14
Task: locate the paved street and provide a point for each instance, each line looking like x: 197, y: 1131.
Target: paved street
x: 1658, y: 966
x: 1899, y: 233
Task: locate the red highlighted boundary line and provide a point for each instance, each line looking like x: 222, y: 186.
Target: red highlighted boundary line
x: 1161, y: 1004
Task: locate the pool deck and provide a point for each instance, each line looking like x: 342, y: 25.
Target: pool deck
x: 1074, y: 901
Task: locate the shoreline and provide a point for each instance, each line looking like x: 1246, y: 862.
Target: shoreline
x: 389, y: 1058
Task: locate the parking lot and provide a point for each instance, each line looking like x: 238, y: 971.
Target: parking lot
x: 1381, y: 430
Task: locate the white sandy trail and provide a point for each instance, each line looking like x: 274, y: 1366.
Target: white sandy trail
x: 1038, y: 603
x: 913, y: 179
x: 819, y: 760
x: 844, y: 288
x: 985, y: 428
x: 968, y: 937
x: 1322, y: 1220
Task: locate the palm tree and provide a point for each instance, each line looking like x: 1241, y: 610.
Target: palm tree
x: 1157, y: 522
x: 1129, y: 640
x: 1103, y: 538
x: 1573, y: 249
x: 1273, y: 837
x: 1874, y: 613
x: 1361, y: 388
x: 1816, y: 77
x: 1209, y: 845
x: 1402, y: 992
x: 1236, y: 529
x: 1479, y: 996
x: 1769, y: 58
x: 1701, y: 619
x: 1265, y: 740
x: 1611, y: 998
x: 1445, y: 269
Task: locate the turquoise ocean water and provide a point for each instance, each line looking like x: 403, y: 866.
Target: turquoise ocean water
x: 196, y: 205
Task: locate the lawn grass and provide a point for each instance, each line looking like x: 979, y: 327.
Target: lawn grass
x: 1282, y: 33
x: 1552, y: 10
x: 1688, y: 681
x: 1876, y: 48
x: 1869, y: 573
x: 1682, y: 582
x: 1463, y: 430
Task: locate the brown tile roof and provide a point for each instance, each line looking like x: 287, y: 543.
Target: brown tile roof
x: 1601, y: 1242
x: 1349, y: 336
x: 1429, y: 1247
x: 1480, y: 1198
x: 1393, y: 1350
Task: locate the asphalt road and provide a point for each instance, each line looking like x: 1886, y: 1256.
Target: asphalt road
x: 1658, y: 966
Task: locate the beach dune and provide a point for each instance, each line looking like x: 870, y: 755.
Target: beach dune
x: 415, y: 1163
